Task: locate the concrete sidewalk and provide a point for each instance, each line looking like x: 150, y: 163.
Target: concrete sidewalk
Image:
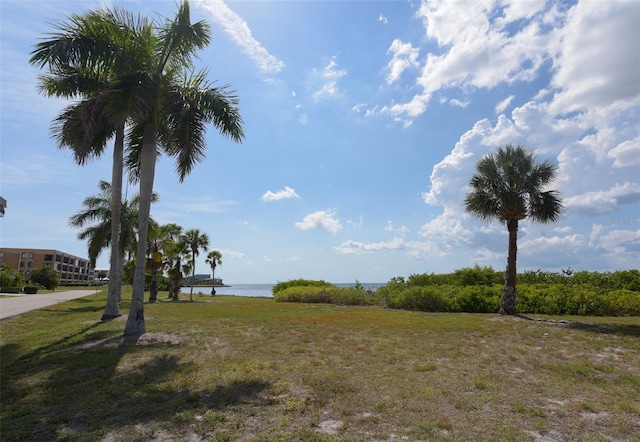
x: 15, y: 305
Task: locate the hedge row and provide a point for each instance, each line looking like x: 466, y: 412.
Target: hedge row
x: 552, y: 299
x: 328, y: 294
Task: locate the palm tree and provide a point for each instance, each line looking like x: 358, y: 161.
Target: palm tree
x: 214, y: 259
x: 508, y: 186
x: 98, y: 210
x: 179, y: 264
x: 177, y: 106
x: 166, y: 105
x: 86, y: 59
x: 161, y: 237
x: 196, y: 241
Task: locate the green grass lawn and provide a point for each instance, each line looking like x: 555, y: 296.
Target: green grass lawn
x: 250, y: 369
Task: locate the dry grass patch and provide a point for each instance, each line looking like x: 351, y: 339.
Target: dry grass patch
x: 247, y: 369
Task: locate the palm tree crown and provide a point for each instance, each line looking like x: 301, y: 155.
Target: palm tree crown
x: 508, y: 185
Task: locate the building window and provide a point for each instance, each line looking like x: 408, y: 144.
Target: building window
x: 23, y: 264
x: 48, y: 257
x: 58, y: 258
x: 30, y: 255
x: 24, y: 255
x: 30, y: 264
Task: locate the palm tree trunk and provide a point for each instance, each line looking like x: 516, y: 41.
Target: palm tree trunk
x: 193, y: 276
x: 153, y: 289
x: 509, y: 293
x: 213, y: 280
x: 135, y: 321
x: 112, y: 309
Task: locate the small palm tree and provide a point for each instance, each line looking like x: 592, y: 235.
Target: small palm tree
x: 508, y: 185
x: 214, y: 259
x: 196, y: 241
x: 97, y: 210
x: 160, y: 239
x: 178, y: 262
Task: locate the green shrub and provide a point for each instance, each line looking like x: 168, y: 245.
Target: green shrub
x: 327, y: 294
x: 478, y: 299
x: 10, y: 277
x: 426, y: 298
x: 10, y: 290
x: 30, y: 289
x: 299, y: 283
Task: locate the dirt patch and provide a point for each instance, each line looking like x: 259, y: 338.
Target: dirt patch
x: 151, y: 338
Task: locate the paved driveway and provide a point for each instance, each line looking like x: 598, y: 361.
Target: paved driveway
x: 15, y: 305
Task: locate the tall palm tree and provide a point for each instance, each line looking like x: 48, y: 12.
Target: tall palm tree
x: 196, y: 241
x: 86, y: 59
x: 160, y: 239
x: 214, y: 259
x: 177, y: 105
x: 508, y: 185
x: 166, y: 105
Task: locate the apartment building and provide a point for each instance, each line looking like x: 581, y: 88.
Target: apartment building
x: 72, y: 269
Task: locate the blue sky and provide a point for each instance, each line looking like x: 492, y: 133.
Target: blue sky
x: 364, y: 121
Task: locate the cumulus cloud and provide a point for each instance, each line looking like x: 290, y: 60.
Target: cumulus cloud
x: 383, y: 19
x: 477, y: 49
x: 322, y: 219
x: 486, y: 44
x: 286, y: 193
x: 403, y: 56
x: 595, y: 56
x: 238, y: 30
x: 604, y: 201
x: 626, y: 154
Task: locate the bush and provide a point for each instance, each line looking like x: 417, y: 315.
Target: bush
x: 299, y: 283
x: 327, y: 294
x: 46, y: 276
x: 10, y: 277
x: 10, y: 290
x: 30, y: 289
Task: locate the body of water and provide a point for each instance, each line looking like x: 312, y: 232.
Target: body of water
x: 260, y: 290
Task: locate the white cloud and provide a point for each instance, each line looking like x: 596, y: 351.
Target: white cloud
x: 227, y: 253
x: 325, y: 81
x: 322, y: 219
x: 604, y: 201
x: 356, y: 224
x: 626, y: 154
x: 238, y: 30
x: 383, y: 19
x: 459, y: 103
x: 596, y: 58
x: 404, y: 56
x: 502, y: 105
x: 292, y: 258
x: 286, y: 193
x: 402, y: 230
x: 356, y: 248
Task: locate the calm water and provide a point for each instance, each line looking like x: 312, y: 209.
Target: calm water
x: 259, y: 290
